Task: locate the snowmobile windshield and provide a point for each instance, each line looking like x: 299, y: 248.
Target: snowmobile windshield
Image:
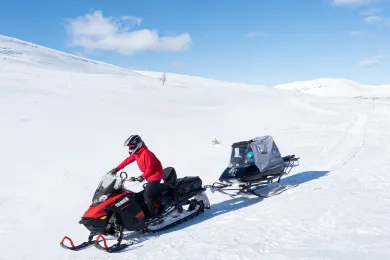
x: 108, y: 185
x: 242, y: 155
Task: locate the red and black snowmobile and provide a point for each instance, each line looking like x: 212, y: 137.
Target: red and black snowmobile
x: 115, y: 209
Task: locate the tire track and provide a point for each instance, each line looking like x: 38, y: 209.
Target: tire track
x: 350, y: 146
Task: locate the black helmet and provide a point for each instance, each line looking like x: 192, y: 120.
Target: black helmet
x: 134, y: 142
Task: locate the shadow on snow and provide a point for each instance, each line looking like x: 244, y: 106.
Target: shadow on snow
x: 224, y: 207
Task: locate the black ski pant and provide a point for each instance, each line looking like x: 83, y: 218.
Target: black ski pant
x: 152, y: 191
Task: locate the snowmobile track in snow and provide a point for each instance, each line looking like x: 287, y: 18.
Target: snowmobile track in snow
x: 349, y: 147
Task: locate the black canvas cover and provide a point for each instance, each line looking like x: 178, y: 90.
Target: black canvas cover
x: 266, y: 153
x: 260, y: 151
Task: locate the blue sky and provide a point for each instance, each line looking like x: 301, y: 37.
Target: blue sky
x: 264, y: 42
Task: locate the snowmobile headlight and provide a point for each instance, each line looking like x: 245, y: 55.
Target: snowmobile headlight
x: 102, y: 198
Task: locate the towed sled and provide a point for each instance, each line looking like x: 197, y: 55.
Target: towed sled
x: 115, y: 209
x: 254, y: 165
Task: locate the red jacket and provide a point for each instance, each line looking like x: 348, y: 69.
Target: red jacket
x: 147, y: 162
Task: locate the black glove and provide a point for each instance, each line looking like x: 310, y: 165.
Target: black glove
x: 140, y: 179
x: 113, y: 171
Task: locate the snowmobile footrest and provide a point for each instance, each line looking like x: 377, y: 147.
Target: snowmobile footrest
x: 73, y: 247
x: 109, y: 249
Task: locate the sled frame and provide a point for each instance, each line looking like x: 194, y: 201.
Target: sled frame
x: 250, y: 187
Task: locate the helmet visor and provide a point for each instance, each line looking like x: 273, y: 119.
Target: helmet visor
x: 132, y: 146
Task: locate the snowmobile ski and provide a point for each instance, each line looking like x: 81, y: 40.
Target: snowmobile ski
x: 110, y: 249
x: 272, y: 192
x: 73, y: 247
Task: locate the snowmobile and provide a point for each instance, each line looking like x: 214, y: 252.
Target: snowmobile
x: 115, y: 209
x: 254, y: 165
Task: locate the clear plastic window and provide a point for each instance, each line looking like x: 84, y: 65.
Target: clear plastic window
x: 242, y: 155
x: 108, y: 185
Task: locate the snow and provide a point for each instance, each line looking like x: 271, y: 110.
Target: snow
x: 64, y: 121
x: 337, y: 88
x: 15, y: 51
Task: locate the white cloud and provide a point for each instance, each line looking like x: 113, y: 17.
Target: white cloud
x: 373, y: 19
x: 374, y: 15
x: 371, y: 15
x: 94, y: 31
x: 351, y: 2
x: 372, y: 61
x: 355, y: 33
x: 134, y: 21
x: 254, y: 34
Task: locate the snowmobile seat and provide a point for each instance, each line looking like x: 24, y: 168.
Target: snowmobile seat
x: 166, y: 197
x: 170, y: 177
x: 178, y: 188
x: 167, y: 186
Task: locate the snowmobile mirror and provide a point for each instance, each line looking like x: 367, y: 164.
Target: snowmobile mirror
x: 124, y: 174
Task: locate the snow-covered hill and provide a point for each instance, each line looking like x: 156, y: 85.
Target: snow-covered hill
x: 15, y: 51
x: 337, y: 88
x: 63, y: 125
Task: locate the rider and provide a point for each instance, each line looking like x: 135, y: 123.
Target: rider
x: 250, y: 159
x: 150, y: 166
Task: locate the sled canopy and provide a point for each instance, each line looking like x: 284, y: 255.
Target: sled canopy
x: 261, y: 151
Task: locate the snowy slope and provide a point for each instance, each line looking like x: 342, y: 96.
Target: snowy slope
x: 337, y: 88
x: 62, y: 129
x: 15, y: 51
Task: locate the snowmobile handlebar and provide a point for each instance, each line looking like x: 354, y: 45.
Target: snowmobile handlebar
x: 125, y: 177
x: 125, y: 174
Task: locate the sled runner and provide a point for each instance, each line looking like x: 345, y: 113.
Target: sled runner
x: 115, y: 209
x: 254, y: 166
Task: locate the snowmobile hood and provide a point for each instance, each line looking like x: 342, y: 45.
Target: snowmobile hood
x: 99, y: 210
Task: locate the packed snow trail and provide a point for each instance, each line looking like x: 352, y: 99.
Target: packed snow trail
x: 65, y: 126
x: 349, y: 144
